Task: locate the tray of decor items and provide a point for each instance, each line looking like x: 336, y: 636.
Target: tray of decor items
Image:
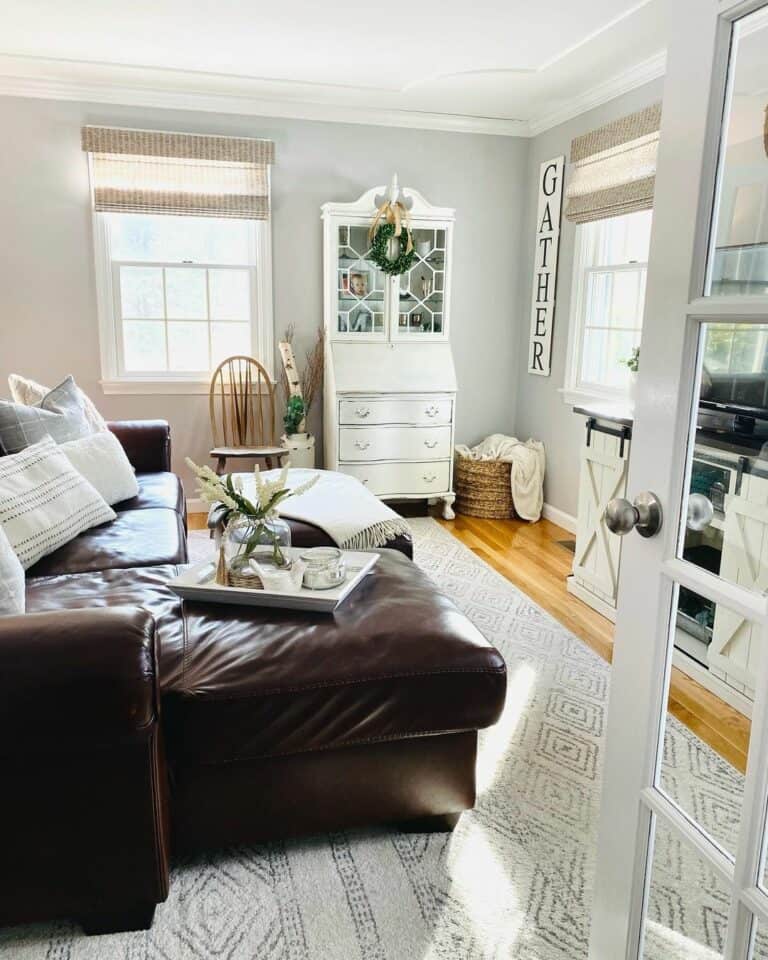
x: 255, y: 563
x: 319, y: 579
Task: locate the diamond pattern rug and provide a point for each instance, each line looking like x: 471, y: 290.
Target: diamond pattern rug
x: 515, y: 878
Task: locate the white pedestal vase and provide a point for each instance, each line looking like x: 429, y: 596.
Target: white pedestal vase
x: 301, y: 447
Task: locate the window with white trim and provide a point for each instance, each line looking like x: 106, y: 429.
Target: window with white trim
x: 607, y: 302
x: 178, y: 294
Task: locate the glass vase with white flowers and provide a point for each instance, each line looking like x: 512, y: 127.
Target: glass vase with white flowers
x: 253, y: 528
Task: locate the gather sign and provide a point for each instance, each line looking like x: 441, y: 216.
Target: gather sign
x: 545, y: 265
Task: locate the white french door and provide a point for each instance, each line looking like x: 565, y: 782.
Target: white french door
x: 681, y: 871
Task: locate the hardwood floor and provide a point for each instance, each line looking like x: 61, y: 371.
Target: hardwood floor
x: 533, y: 558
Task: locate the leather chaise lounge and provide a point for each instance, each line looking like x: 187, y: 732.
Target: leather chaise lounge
x: 135, y: 724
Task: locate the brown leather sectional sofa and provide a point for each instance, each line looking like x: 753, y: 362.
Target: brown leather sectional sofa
x: 135, y: 724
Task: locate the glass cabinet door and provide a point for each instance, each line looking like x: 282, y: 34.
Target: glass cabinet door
x: 421, y: 307
x: 360, y: 287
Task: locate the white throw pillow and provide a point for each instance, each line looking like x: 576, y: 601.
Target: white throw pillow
x: 32, y: 393
x: 12, y: 581
x: 101, y: 459
x: 45, y: 502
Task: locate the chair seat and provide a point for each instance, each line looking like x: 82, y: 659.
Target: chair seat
x: 248, y: 452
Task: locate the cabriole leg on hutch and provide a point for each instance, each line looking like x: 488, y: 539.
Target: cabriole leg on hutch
x: 448, y: 501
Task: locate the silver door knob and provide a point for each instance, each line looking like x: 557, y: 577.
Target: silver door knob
x: 644, y: 515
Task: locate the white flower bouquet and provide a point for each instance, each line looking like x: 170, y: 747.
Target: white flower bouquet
x: 227, y: 494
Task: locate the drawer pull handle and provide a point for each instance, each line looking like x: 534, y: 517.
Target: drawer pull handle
x: 431, y: 444
x: 362, y: 411
x: 362, y: 444
x: 429, y: 477
x: 432, y: 410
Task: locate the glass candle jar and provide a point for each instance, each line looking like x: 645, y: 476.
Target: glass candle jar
x: 325, y: 568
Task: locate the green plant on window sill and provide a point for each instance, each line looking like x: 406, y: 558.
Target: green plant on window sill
x: 294, y: 414
x: 632, y: 362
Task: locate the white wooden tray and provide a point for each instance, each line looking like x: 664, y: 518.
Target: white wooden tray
x: 197, y: 583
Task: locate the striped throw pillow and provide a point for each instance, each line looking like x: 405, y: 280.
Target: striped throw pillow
x: 11, y: 579
x: 45, y: 502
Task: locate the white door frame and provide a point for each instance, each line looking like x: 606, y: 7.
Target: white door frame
x: 699, y: 35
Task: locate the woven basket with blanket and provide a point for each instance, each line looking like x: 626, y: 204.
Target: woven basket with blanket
x: 500, y: 478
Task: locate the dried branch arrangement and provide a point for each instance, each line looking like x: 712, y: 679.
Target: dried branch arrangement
x: 311, y: 377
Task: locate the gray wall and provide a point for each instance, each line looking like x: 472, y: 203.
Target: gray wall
x: 48, y: 325
x: 540, y: 410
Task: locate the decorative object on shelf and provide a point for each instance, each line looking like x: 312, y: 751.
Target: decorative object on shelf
x: 253, y: 528
x: 545, y: 265
x: 358, y: 283
x: 423, y: 248
x: 426, y: 287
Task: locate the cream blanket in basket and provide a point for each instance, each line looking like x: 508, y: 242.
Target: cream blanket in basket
x: 526, y: 474
x: 340, y: 505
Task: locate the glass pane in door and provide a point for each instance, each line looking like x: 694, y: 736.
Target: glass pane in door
x: 739, y: 257
x: 687, y: 904
x: 726, y: 509
x: 760, y: 944
x: 360, y: 284
x: 705, y: 739
x: 421, y: 306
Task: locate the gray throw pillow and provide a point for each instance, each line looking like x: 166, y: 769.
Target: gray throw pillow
x: 60, y: 415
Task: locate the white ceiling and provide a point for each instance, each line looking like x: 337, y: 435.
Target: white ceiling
x: 487, y: 63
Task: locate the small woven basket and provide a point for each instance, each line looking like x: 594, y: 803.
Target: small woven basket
x: 483, y: 488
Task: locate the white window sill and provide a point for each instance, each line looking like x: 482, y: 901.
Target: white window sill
x: 610, y: 403
x: 131, y: 387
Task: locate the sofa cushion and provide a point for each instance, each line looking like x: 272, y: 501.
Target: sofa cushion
x: 397, y: 659
x: 137, y: 538
x: 156, y: 490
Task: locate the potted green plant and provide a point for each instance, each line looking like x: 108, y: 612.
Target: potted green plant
x: 632, y: 362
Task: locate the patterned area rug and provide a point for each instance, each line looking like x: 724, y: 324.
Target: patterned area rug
x: 515, y: 878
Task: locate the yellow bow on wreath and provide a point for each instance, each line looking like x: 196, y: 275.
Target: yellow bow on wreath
x: 394, y: 213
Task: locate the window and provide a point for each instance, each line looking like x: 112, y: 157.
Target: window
x: 179, y: 294
x: 610, y: 266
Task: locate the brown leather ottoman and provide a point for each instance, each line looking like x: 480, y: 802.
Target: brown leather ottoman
x: 282, y: 722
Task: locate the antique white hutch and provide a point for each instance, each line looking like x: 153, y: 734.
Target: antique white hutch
x: 390, y: 382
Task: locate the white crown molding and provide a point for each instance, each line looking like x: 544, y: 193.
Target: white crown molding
x: 185, y: 90
x: 642, y: 73
x: 182, y: 92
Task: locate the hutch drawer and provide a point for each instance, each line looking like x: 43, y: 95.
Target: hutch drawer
x: 393, y: 479
x: 414, y: 410
x: 395, y: 443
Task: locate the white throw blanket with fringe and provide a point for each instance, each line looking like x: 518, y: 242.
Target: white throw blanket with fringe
x: 340, y: 505
x: 526, y: 475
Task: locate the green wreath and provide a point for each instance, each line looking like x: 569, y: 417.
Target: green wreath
x: 404, y: 260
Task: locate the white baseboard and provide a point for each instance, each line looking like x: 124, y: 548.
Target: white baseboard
x: 560, y: 517
x: 196, y: 506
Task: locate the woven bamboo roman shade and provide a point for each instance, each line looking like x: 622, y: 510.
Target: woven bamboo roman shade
x: 148, y: 171
x: 614, y: 168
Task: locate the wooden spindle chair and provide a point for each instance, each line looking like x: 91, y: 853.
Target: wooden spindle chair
x: 242, y: 408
